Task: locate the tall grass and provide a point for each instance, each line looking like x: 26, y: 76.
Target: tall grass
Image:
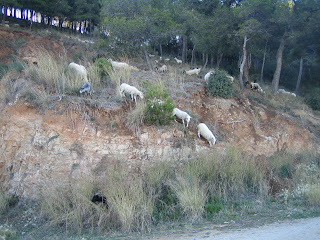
x: 191, y: 194
x: 4, y: 203
x: 119, y: 76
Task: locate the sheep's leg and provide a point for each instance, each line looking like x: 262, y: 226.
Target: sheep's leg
x: 187, y: 123
x: 199, y: 134
x: 183, y: 122
x: 210, y: 143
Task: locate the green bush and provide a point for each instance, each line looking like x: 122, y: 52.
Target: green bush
x: 313, y: 99
x: 219, y: 85
x: 159, y: 105
x: 104, y: 67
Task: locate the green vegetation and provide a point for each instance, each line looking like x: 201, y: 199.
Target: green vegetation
x: 208, y: 186
x: 159, y: 105
x: 219, y: 85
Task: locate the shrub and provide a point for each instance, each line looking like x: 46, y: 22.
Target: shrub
x: 135, y: 117
x: 219, y: 85
x: 7, y: 232
x: 313, y: 99
x: 313, y: 195
x: 159, y: 104
x: 104, y: 67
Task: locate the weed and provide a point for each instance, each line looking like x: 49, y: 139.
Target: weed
x: 4, y: 203
x: 135, y: 117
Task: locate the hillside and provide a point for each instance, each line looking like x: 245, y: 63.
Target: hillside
x: 83, y: 137
x: 31, y: 139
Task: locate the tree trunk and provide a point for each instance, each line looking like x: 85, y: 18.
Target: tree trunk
x: 276, y: 75
x: 192, y: 57
x: 184, y: 48
x: 244, y: 59
x: 263, y: 62
x: 206, y: 60
x: 4, y: 14
x: 146, y: 56
x: 246, y: 70
x: 160, y: 49
x: 211, y: 61
x: 219, y: 59
x: 299, y: 77
x: 15, y: 13
x: 80, y: 25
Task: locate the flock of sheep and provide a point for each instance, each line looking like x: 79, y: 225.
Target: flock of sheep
x: 125, y: 88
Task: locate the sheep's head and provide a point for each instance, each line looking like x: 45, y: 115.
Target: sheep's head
x: 141, y: 95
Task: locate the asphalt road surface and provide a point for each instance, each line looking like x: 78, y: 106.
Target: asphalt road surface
x: 298, y: 229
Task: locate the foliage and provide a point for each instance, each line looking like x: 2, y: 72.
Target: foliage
x: 313, y: 98
x: 4, y: 202
x: 219, y: 85
x: 159, y: 104
x: 104, y: 66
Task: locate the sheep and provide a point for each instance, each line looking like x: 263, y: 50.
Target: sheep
x: 254, y: 85
x: 121, y: 65
x: 231, y: 78
x: 178, y: 60
x: 207, y: 76
x: 79, y: 70
x: 167, y: 59
x: 163, y: 68
x: 182, y: 115
x: 126, y: 88
x: 286, y: 92
x: 86, y: 88
x: 152, y: 55
x: 195, y: 71
x: 205, y: 132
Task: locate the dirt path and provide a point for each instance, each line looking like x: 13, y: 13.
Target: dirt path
x: 306, y: 229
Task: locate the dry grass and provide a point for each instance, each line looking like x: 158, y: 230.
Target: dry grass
x: 119, y: 76
x: 3, y: 202
x: 69, y: 203
x: 313, y: 195
x: 135, y: 117
x: 191, y: 194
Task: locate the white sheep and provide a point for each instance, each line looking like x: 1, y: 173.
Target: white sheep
x: 152, y: 55
x: 86, y: 88
x: 182, y: 115
x: 126, y: 88
x: 207, y: 76
x: 163, y: 68
x: 79, y: 70
x: 167, y: 59
x: 205, y: 132
x: 286, y: 92
x: 178, y: 60
x: 194, y: 71
x: 121, y: 65
x: 231, y: 78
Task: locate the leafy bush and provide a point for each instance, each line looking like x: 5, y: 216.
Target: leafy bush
x: 219, y: 85
x: 313, y: 99
x: 104, y: 67
x: 159, y: 105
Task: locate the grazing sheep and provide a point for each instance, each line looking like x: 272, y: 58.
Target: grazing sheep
x: 205, y: 132
x: 163, y: 68
x: 126, y: 88
x: 79, y: 70
x: 151, y: 55
x: 194, y: 71
x: 182, y: 115
x: 207, y: 76
x: 178, y: 60
x: 255, y: 86
x: 231, y: 78
x: 121, y: 65
x: 167, y: 59
x: 86, y: 88
x: 286, y: 92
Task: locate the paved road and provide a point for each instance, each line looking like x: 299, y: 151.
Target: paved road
x: 299, y: 229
